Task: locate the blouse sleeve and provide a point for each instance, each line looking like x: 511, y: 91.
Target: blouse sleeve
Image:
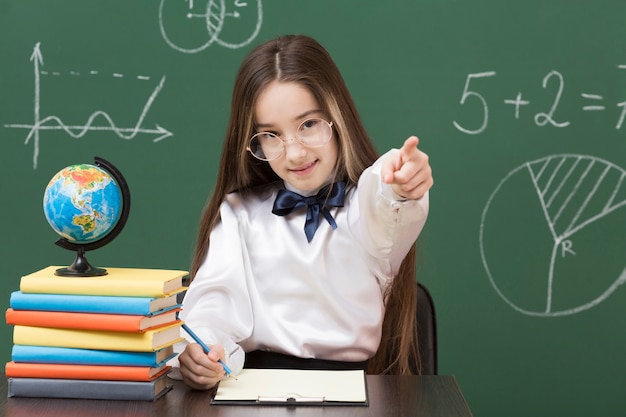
x: 386, y: 223
x: 219, y: 290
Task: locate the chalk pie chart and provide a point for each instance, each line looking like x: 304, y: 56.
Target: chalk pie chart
x: 553, y: 235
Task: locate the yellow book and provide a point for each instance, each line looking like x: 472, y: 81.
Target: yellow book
x: 149, y: 341
x: 118, y: 282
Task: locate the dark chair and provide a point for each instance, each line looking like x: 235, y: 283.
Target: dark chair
x: 426, y: 331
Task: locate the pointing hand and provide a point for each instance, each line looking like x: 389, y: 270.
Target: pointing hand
x: 407, y: 170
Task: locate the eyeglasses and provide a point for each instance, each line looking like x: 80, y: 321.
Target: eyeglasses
x: 311, y: 133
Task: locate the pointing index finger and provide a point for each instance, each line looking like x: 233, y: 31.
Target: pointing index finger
x: 409, y: 147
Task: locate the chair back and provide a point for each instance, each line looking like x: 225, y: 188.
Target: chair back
x: 426, y: 331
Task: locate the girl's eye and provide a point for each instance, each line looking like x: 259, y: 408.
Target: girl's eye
x: 308, y: 124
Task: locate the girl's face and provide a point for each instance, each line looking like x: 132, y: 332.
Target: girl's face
x: 280, y: 109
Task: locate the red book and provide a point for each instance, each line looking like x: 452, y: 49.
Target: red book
x: 65, y: 371
x: 89, y: 321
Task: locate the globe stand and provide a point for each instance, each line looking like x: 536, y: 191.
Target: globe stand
x: 81, y: 267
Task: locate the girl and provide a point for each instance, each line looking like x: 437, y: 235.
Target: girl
x: 306, y: 249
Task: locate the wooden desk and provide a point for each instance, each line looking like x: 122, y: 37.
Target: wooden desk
x: 397, y: 396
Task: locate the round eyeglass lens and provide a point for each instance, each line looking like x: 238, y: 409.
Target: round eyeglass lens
x: 314, y: 132
x: 266, y: 146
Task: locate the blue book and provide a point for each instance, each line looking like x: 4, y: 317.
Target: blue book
x: 145, y: 306
x: 62, y: 355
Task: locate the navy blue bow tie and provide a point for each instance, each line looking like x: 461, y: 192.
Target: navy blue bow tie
x: 287, y: 201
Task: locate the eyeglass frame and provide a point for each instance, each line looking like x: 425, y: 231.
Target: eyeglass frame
x: 285, y: 141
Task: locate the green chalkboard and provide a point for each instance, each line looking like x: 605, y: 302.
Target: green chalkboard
x: 520, y: 105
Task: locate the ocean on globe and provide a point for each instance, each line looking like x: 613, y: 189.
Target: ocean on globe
x: 82, y: 203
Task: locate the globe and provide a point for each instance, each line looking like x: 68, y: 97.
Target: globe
x: 87, y: 205
x: 82, y: 203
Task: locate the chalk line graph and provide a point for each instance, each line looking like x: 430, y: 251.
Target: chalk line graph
x: 214, y: 18
x: 53, y: 122
x: 568, y: 194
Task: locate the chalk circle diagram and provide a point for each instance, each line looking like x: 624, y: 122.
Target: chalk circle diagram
x: 191, y: 28
x: 553, y: 235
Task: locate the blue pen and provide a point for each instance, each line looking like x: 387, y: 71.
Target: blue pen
x: 205, y: 347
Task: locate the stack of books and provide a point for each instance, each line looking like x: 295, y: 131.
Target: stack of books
x: 105, y: 337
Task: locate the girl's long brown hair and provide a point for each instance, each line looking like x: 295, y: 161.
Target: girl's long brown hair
x: 301, y: 59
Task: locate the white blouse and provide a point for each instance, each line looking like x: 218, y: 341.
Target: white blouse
x: 264, y: 287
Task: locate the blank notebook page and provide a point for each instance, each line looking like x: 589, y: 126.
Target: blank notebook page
x: 259, y: 384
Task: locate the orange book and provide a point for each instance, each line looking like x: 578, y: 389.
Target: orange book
x: 89, y: 321
x: 65, y: 371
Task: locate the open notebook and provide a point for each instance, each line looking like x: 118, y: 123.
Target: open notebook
x: 293, y: 387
